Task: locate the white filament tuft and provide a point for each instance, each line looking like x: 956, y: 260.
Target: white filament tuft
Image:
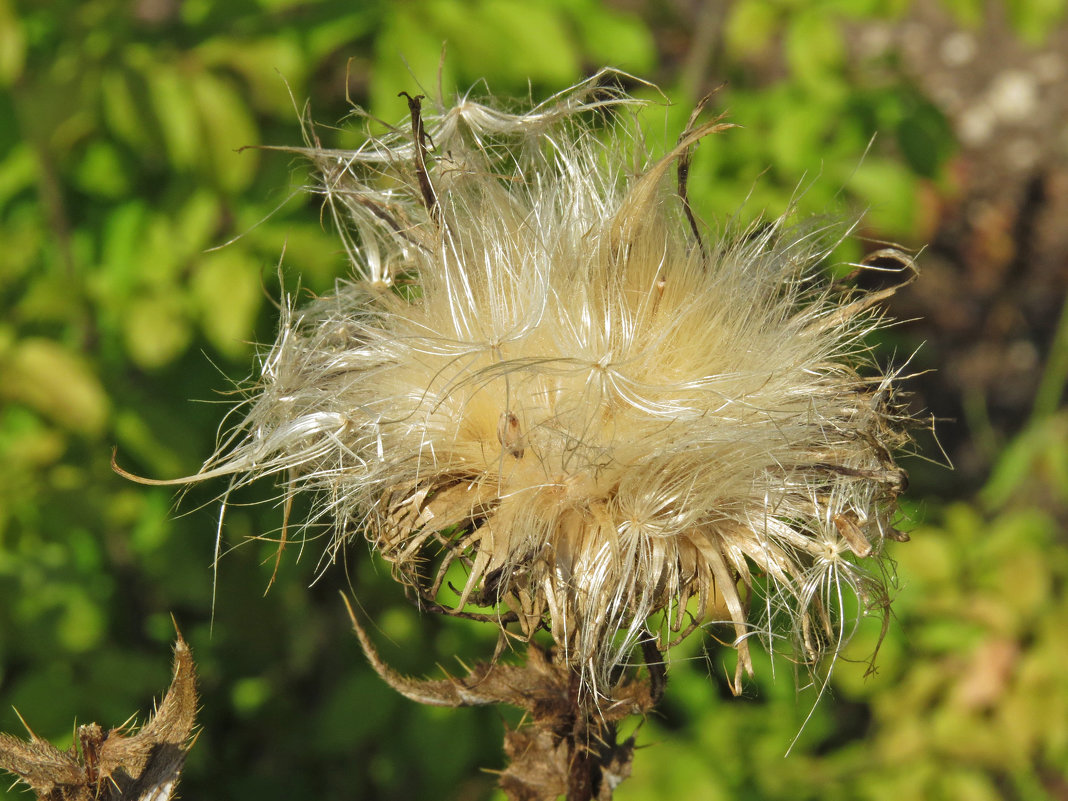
x: 540, y: 381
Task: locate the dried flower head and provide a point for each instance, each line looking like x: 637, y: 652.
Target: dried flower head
x: 548, y: 403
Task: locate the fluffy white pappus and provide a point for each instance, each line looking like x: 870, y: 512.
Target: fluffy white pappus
x: 550, y: 405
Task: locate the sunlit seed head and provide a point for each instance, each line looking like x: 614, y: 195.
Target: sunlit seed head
x: 547, y: 402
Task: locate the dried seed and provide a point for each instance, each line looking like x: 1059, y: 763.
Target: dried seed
x: 857, y: 541
x: 510, y: 435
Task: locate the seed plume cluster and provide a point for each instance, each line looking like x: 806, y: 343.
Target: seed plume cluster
x: 551, y: 402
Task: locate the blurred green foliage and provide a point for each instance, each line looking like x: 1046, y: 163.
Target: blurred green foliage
x: 121, y: 174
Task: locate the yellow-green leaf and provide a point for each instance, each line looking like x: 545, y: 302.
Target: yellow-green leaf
x: 614, y: 37
x: 100, y: 171
x: 156, y: 329
x: 890, y: 189
x: 227, y: 127
x: 12, y: 45
x: 124, y: 115
x: 176, y: 112
x: 814, y: 47
x: 750, y: 26
x: 270, y: 67
x: 406, y: 59
x: 226, y: 288
x: 55, y: 382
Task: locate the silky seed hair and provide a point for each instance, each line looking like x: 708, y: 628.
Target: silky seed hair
x: 552, y: 403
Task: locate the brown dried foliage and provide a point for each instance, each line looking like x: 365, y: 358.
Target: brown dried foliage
x: 568, y: 744
x: 114, y: 765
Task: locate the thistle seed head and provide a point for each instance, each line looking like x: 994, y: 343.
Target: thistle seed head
x: 546, y: 402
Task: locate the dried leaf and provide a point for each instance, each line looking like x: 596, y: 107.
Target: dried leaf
x: 109, y: 765
x: 568, y: 745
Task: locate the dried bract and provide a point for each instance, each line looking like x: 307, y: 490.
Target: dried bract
x: 114, y: 765
x: 549, y: 404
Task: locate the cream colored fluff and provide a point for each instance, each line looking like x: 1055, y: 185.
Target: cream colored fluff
x: 539, y: 375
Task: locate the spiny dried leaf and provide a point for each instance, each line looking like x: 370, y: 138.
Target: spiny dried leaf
x: 542, y: 685
x: 111, y: 765
x: 40, y: 765
x: 567, y: 744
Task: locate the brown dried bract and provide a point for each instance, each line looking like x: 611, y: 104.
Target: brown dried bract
x: 111, y: 765
x: 568, y: 744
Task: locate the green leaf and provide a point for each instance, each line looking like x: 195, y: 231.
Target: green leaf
x: 124, y: 112
x: 929, y: 560
x: 1019, y: 574
x: 970, y: 783
x: 320, y: 259
x: 855, y: 9
x: 271, y: 67
x: 799, y: 127
x: 1035, y: 460
x: 343, y: 31
x: 613, y: 37
x: 12, y: 45
x: 176, y: 111
x: 195, y: 225
x: 1035, y: 20
x: 50, y: 690
x: 280, y: 5
x: 51, y: 298
x: 890, y: 190
x: 407, y: 53
x: 814, y: 48
x: 227, y: 127
x: 249, y: 694
x: 357, y: 712
x: 26, y: 442
x: 18, y: 172
x: 101, y: 171
x: 1055, y: 373
x: 226, y: 289
x: 24, y: 235
x: 56, y: 382
x: 750, y: 26
x: 163, y: 256
x: 969, y: 13
x: 121, y: 252
x: 540, y: 47
x: 156, y: 329
x: 926, y: 138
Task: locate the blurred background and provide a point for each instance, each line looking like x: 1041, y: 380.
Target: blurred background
x: 123, y: 325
